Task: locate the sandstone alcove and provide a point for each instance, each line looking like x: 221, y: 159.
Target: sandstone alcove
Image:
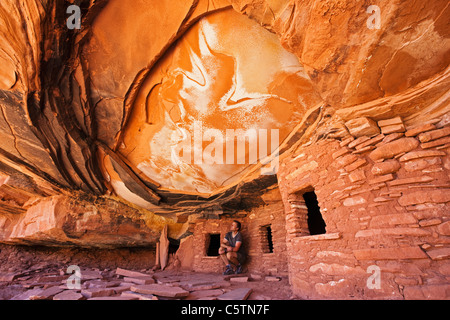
x: 325, y: 136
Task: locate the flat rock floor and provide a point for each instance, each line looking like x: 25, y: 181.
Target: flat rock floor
x: 54, y: 283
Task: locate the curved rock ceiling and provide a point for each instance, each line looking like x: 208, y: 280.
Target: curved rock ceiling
x: 225, y: 79
x: 107, y: 110
x: 225, y: 73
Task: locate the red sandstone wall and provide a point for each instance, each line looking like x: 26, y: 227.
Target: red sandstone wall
x: 203, y: 227
x: 385, y: 199
x: 259, y: 260
x: 271, y: 214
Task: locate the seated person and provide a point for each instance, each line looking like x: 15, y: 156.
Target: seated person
x: 231, y: 249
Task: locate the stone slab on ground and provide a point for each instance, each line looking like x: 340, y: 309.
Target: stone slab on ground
x: 204, y: 286
x: 140, y: 280
x: 272, y: 278
x: 124, y: 286
x: 102, y: 284
x: 97, y: 283
x: 236, y: 294
x: 203, y: 294
x: 255, y: 277
x: 51, y: 278
x: 47, y: 294
x: 97, y: 292
x: 27, y: 294
x: 160, y: 290
x: 239, y: 279
x: 129, y: 273
x: 139, y: 296
x: 68, y: 295
x: 188, y: 284
x: 114, y: 298
x: 90, y: 275
x: 228, y: 277
x: 7, y: 277
x: 166, y: 280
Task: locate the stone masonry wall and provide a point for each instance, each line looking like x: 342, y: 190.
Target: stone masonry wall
x: 203, y: 228
x: 384, y: 195
x: 254, y: 231
x: 272, y: 214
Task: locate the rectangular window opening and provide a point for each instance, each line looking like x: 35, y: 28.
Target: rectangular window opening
x: 213, y: 245
x: 266, y: 239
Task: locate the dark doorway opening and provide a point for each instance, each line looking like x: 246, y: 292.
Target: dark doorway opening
x: 173, y: 245
x: 213, y: 246
x: 316, y: 224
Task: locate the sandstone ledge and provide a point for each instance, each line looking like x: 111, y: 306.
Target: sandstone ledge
x: 99, y: 223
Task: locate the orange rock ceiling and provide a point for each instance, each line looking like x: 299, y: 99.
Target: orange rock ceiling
x: 226, y: 73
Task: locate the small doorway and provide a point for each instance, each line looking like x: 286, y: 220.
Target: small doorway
x: 213, y: 245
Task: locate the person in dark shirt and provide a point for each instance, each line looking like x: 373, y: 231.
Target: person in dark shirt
x: 231, y: 250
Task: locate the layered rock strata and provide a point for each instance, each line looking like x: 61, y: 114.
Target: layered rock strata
x: 115, y: 130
